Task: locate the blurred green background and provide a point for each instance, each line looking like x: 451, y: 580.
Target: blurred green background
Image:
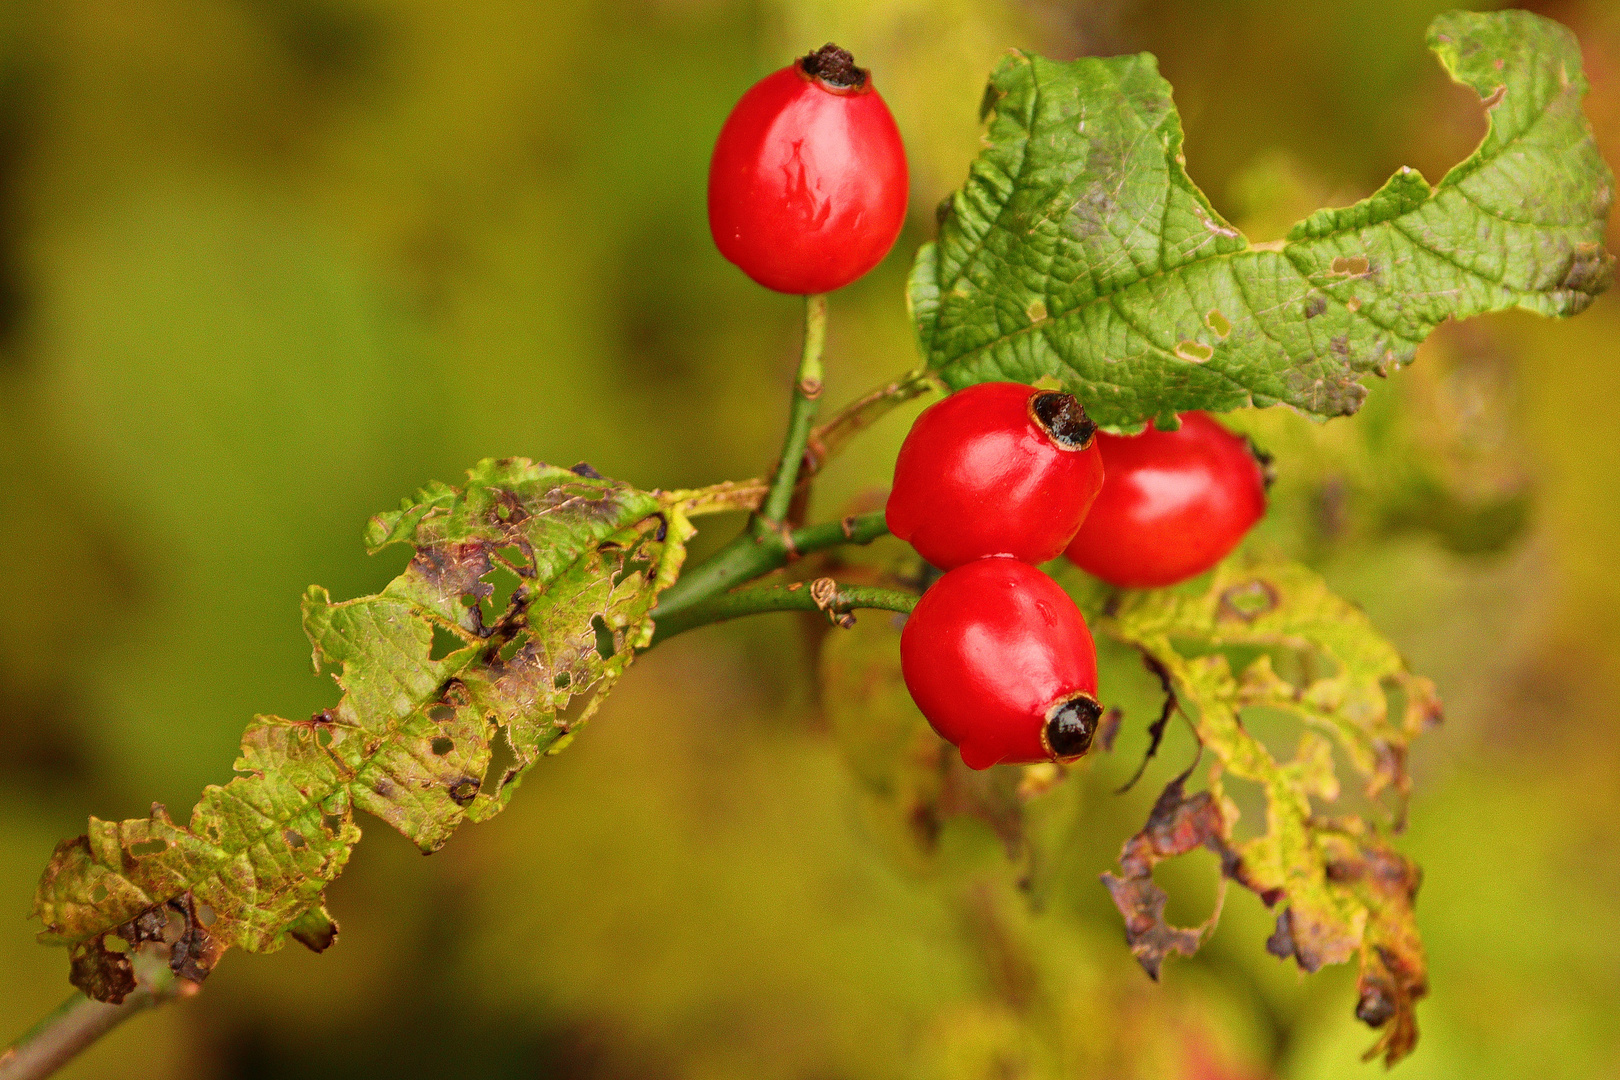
x: 268, y: 265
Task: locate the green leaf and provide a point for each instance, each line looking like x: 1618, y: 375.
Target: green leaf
x: 413, y: 739
x: 1080, y: 249
x: 1343, y: 892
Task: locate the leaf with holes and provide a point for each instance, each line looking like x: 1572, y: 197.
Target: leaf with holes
x: 1305, y: 653
x: 1080, y: 249
x: 580, y: 561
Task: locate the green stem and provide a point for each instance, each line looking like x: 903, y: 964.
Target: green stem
x: 806, y: 395
x: 766, y: 544
x: 749, y: 556
x: 823, y: 594
x: 79, y: 1021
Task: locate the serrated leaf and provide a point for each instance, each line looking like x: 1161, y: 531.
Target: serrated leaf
x: 1080, y: 249
x: 1343, y: 892
x: 410, y: 740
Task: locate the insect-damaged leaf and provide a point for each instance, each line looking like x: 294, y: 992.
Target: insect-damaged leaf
x: 1080, y: 249
x: 410, y: 740
x: 1343, y: 892
x: 1178, y: 824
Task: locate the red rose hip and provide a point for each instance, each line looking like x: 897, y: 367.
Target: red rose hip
x: 1001, y: 663
x: 995, y: 469
x: 808, y: 183
x: 1173, y: 505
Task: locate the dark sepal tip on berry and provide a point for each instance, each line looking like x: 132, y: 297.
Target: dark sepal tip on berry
x: 1063, y: 418
x: 1070, y: 726
x: 834, y: 66
x: 1266, y: 461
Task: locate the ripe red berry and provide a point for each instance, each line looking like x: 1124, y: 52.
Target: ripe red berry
x: 995, y: 469
x: 1173, y: 505
x: 999, y: 660
x: 808, y: 184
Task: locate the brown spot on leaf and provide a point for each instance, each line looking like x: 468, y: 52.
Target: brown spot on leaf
x: 455, y: 569
x: 1248, y: 600
x: 464, y: 791
x: 1281, y: 942
x: 101, y: 973
x: 194, y: 954
x: 1590, y: 271
x: 1394, y: 974
x: 1285, y: 944
x: 1315, y: 306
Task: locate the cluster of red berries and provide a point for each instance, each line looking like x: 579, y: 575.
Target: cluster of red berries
x: 1000, y: 476
x: 807, y: 192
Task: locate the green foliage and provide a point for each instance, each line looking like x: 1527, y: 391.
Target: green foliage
x: 1080, y: 249
x: 1262, y: 637
x: 419, y: 740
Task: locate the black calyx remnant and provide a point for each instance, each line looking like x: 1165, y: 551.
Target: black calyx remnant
x: 1268, y: 470
x: 1070, y: 725
x: 1062, y: 418
x: 835, y: 67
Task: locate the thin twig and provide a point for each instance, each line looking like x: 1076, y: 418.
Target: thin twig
x: 1156, y: 731
x: 860, y: 414
x: 807, y: 387
x: 79, y: 1021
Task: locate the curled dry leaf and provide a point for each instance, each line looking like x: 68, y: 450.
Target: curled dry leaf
x: 1178, y: 824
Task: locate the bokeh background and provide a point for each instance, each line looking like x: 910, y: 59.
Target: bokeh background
x: 268, y: 265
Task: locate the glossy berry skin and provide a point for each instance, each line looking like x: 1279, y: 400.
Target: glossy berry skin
x: 808, y: 183
x: 1173, y: 505
x: 999, y: 660
x: 995, y: 469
